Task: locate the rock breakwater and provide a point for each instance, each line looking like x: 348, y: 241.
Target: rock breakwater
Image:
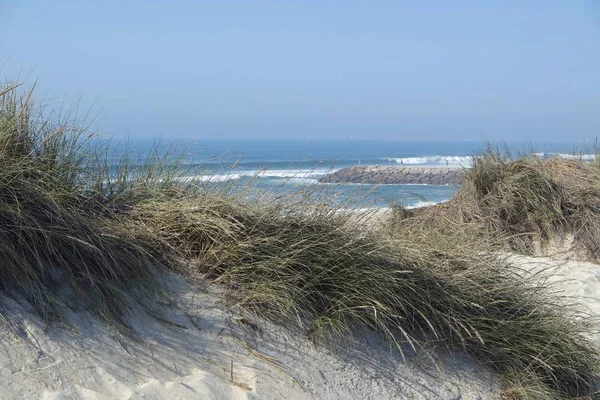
x: 373, y: 174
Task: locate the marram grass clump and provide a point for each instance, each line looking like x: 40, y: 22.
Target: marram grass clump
x: 55, y: 252
x: 527, y: 203
x: 73, y: 233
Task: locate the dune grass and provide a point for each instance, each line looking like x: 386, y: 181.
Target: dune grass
x: 76, y: 232
x: 56, y: 250
x: 527, y: 202
x: 319, y: 271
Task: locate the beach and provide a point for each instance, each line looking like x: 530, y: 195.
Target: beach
x: 299, y: 200
x: 218, y: 353
x: 142, y: 279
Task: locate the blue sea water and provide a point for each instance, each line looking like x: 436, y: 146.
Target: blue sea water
x: 292, y: 165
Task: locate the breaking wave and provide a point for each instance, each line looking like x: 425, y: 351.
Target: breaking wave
x: 433, y: 160
x: 582, y: 157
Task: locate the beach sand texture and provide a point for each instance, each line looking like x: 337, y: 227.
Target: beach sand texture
x: 215, y: 355
x: 219, y: 354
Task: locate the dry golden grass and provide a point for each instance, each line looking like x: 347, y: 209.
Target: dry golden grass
x: 525, y: 203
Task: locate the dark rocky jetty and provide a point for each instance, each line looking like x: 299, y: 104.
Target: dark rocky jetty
x: 373, y: 174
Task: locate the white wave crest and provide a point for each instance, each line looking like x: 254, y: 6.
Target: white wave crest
x: 210, y: 178
x: 433, y: 160
x: 582, y: 157
x: 421, y: 204
x: 304, y: 175
x: 287, y: 173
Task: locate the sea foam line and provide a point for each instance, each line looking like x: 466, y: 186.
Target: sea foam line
x: 582, y: 157
x: 468, y: 160
x: 441, y: 160
x: 291, y: 174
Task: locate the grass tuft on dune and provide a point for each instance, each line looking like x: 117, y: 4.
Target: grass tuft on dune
x: 56, y: 251
x: 76, y: 232
x: 527, y: 202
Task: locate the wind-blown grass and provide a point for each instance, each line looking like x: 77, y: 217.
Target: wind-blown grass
x: 55, y: 250
x: 74, y: 232
x: 529, y: 202
x: 319, y: 270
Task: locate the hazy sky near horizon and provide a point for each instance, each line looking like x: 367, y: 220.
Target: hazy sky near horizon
x: 431, y: 70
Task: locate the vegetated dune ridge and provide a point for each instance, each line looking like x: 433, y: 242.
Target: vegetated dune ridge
x: 122, y: 282
x: 193, y: 355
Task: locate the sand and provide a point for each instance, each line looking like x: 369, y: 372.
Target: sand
x: 198, y: 348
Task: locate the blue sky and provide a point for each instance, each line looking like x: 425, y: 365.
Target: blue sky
x: 451, y: 70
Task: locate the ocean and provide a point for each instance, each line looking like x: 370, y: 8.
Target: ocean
x: 293, y: 165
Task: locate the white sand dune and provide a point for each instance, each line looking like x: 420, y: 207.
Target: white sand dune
x: 200, y: 349
x: 577, y: 281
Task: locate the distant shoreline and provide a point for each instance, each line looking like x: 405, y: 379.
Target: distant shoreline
x: 374, y: 174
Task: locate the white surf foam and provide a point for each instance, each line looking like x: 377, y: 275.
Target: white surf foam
x: 433, y: 160
x: 287, y: 173
x: 304, y: 175
x: 582, y: 157
x: 210, y: 178
x: 421, y: 204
